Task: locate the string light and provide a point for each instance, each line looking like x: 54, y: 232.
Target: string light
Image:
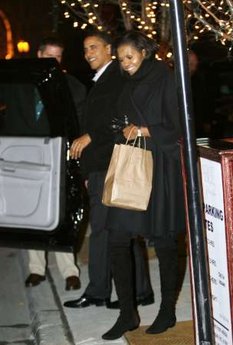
x: 214, y: 16
x: 201, y: 16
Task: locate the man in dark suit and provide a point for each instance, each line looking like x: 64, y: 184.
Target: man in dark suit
x: 52, y: 47
x: 95, y: 148
x: 202, y: 103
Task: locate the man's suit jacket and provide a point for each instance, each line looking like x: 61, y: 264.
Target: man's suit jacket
x: 99, y: 110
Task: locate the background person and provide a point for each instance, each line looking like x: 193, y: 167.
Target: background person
x: 52, y: 47
x: 95, y: 148
x: 202, y: 104
x: 149, y: 101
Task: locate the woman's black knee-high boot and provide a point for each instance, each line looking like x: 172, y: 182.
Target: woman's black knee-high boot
x: 168, y: 266
x: 121, y: 262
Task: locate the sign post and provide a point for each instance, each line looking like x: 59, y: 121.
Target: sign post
x: 201, y: 292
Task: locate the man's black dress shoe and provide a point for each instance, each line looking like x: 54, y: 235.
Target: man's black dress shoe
x: 85, y: 301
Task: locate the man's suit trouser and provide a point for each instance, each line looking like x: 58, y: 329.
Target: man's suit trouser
x: 98, y: 264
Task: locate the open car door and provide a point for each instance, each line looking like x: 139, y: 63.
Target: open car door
x: 41, y: 191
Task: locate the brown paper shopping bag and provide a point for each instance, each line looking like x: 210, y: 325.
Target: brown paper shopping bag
x: 128, y: 181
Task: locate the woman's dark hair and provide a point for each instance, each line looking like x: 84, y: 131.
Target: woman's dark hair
x: 139, y: 41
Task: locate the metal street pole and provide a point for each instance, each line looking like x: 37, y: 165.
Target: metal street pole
x: 55, y: 15
x: 204, y: 325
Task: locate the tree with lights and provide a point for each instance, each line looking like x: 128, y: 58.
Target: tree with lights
x: 152, y: 17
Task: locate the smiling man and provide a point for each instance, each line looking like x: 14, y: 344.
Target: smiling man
x: 95, y: 149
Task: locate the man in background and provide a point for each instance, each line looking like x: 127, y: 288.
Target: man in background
x: 202, y: 106
x: 53, y: 48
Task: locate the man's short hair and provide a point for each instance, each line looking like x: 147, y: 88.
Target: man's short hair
x: 50, y: 41
x: 105, y: 36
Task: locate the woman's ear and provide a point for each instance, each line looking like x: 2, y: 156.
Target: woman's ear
x: 144, y: 52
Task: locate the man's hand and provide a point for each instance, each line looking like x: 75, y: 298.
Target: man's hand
x: 79, y: 145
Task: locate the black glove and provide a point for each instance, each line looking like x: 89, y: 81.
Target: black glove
x: 118, y: 124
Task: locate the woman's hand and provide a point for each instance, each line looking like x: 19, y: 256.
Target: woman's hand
x: 79, y: 145
x: 135, y: 131
x: 130, y: 132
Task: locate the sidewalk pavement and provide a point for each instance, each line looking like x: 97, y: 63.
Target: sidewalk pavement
x: 53, y: 324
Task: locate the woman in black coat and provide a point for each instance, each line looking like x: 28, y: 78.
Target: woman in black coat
x: 149, y: 101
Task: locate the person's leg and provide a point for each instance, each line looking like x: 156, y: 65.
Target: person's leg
x: 121, y: 267
x: 66, y: 264
x: 37, y: 267
x: 68, y: 269
x: 37, y: 261
x: 98, y: 261
x: 168, y: 267
x: 99, y: 288
x: 141, y: 274
x: 144, y: 292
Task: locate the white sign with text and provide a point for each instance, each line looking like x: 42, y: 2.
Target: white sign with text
x: 217, y: 250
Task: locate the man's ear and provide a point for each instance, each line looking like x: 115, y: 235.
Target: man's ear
x: 109, y: 49
x: 39, y: 54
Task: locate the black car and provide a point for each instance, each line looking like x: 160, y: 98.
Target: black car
x: 42, y: 199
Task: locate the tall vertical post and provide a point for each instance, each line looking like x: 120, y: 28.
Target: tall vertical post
x: 55, y: 15
x: 204, y: 328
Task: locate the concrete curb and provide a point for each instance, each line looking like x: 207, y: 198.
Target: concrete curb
x: 49, y: 323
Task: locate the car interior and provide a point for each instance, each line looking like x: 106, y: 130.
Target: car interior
x: 42, y: 199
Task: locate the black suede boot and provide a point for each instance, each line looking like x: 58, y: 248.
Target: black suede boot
x: 168, y: 265
x: 128, y: 319
x: 143, y: 288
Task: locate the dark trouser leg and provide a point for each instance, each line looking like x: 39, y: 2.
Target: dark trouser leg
x: 168, y: 266
x: 121, y: 265
x: 98, y: 262
x: 144, y: 292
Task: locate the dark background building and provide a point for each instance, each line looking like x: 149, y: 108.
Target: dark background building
x: 30, y: 21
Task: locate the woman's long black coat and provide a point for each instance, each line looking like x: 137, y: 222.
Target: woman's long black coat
x: 149, y: 99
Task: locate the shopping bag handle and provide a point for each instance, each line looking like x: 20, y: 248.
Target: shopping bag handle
x: 135, y: 140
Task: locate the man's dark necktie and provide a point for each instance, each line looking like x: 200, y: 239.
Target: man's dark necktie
x: 38, y: 105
